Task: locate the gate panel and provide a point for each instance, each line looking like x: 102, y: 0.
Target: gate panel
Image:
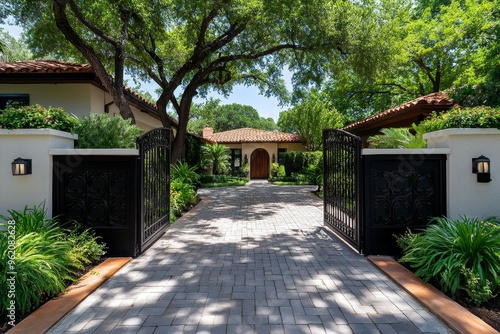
x: 401, y: 192
x: 98, y: 192
x: 342, y: 183
x: 154, y: 185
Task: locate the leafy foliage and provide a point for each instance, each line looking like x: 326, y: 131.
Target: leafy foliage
x: 184, y: 173
x: 226, y: 117
x: 399, y: 138
x: 309, y: 118
x: 456, y: 253
x: 12, y: 49
x: 211, y: 181
x: 104, y: 131
x: 218, y: 157
x: 299, y: 162
x: 457, y: 117
x: 47, y: 257
x: 37, y: 117
x: 182, y: 197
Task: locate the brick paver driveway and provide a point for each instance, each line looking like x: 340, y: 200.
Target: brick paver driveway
x: 252, y: 259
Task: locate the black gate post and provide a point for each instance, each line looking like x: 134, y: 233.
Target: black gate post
x: 342, y: 185
x: 153, y: 186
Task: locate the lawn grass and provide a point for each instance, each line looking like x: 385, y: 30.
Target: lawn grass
x: 223, y: 184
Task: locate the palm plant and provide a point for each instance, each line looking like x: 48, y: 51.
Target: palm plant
x: 182, y: 172
x: 399, y: 138
x: 218, y: 156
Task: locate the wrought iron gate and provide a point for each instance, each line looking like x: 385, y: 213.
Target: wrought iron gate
x: 342, y: 185
x: 154, y: 186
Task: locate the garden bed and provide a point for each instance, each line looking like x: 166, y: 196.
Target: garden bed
x: 51, y: 311
x: 461, y: 318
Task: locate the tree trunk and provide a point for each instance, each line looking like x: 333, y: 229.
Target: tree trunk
x: 115, y: 88
x: 180, y: 137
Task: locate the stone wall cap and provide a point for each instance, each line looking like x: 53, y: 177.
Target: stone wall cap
x: 37, y: 132
x: 462, y: 132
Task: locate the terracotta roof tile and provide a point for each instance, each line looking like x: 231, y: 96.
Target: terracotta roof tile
x: 249, y: 135
x: 56, y: 66
x: 44, y: 66
x: 434, y: 99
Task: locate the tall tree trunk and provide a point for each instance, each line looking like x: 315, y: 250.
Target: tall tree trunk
x: 184, y: 107
x: 114, y: 87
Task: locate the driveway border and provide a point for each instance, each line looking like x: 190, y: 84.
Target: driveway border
x: 54, y: 310
x: 450, y: 312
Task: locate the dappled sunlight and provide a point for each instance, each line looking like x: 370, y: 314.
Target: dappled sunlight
x: 221, y: 267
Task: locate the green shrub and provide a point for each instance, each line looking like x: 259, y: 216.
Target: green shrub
x: 274, y: 169
x: 47, y: 257
x: 298, y: 162
x: 103, y: 131
x: 181, y: 171
x: 36, y: 117
x: 455, y: 253
x: 457, y: 117
x: 222, y: 180
x: 85, y: 248
x: 281, y: 171
x: 182, y: 196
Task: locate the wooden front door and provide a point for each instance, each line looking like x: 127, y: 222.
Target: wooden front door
x: 259, y: 164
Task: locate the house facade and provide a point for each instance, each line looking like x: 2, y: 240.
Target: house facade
x: 71, y: 86
x: 256, y: 148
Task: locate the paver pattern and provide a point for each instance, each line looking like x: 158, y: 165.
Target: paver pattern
x: 253, y: 259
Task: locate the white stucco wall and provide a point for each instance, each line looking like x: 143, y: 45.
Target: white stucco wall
x: 18, y: 191
x: 79, y: 99
x: 465, y: 195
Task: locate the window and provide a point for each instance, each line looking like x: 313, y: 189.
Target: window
x: 281, y: 156
x: 235, y: 160
x: 8, y: 99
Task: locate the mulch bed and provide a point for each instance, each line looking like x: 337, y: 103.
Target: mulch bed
x: 489, y: 312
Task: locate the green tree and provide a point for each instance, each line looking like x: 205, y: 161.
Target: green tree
x: 424, y: 47
x: 218, y: 157
x: 191, y: 47
x: 310, y: 117
x: 227, y: 117
x: 12, y: 49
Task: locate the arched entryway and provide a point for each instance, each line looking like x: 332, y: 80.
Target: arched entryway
x: 259, y: 164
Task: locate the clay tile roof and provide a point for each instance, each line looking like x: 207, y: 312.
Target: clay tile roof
x: 56, y: 66
x: 44, y: 66
x: 438, y: 100
x: 249, y: 135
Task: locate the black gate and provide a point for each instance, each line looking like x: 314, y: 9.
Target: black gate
x: 401, y: 192
x: 154, y: 186
x: 342, y: 185
x: 98, y: 192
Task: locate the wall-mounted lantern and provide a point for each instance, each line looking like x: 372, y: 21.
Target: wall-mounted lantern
x: 481, y: 167
x: 21, y: 166
x: 245, y: 159
x: 274, y: 158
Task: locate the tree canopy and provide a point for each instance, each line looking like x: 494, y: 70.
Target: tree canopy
x: 226, y: 117
x: 12, y: 49
x: 365, y: 55
x: 191, y: 47
x: 427, y: 46
x: 309, y: 118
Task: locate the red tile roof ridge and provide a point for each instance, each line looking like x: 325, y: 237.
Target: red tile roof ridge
x: 251, y: 135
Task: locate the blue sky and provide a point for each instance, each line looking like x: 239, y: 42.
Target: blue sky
x: 267, y: 107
